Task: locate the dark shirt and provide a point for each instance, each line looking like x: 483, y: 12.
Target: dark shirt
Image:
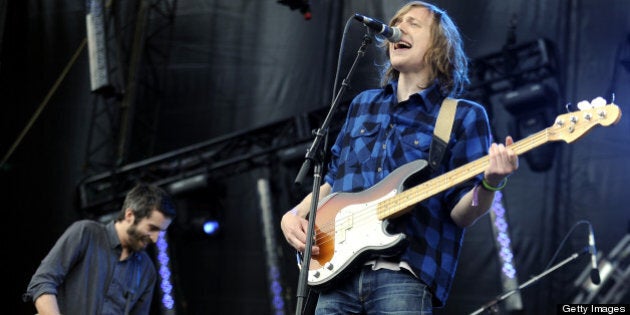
x: 380, y: 135
x: 84, y: 271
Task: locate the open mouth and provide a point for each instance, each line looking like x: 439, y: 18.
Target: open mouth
x: 402, y: 45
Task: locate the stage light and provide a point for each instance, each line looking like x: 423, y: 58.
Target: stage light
x: 200, y: 207
x: 164, y: 270
x: 211, y: 227
x: 533, y: 107
x: 204, y: 225
x: 500, y: 228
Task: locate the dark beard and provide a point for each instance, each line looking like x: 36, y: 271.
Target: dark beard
x: 136, y: 239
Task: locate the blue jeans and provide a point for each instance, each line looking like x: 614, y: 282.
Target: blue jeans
x: 380, y: 291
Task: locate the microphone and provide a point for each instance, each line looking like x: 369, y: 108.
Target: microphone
x: 392, y: 34
x: 593, y: 251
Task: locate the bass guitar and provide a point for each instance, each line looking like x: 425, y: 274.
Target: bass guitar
x: 349, y: 226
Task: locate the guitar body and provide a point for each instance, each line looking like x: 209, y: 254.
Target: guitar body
x: 348, y: 227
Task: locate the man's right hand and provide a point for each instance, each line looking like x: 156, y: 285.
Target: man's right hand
x: 294, y: 228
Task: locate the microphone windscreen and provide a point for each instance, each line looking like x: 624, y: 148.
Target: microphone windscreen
x: 595, y: 276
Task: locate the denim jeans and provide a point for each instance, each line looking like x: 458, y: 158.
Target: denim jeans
x: 381, y: 291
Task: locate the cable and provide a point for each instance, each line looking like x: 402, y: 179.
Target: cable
x: 555, y: 255
x: 43, y: 104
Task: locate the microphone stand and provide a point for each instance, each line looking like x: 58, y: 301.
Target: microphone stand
x: 492, y: 305
x: 315, y: 154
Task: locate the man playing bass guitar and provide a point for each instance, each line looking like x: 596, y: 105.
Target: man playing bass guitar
x: 386, y: 129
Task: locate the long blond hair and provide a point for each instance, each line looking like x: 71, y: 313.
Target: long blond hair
x: 446, y: 60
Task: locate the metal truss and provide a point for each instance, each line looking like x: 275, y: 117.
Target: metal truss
x: 512, y: 67
x: 193, y: 166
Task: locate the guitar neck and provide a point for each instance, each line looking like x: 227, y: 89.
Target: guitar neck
x: 403, y: 201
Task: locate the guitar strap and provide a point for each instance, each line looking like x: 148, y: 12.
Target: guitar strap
x: 442, y: 132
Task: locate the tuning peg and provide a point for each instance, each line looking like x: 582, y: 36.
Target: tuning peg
x: 598, y: 102
x: 568, y: 107
x: 584, y: 105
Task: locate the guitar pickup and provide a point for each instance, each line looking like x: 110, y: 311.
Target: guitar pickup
x: 343, y: 223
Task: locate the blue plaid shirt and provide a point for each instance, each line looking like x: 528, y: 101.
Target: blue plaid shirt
x: 380, y: 135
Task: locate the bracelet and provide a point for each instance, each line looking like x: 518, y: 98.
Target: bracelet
x: 294, y: 211
x: 475, y: 196
x: 489, y: 187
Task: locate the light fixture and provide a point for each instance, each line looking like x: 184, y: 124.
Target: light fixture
x: 533, y: 107
x: 211, y: 227
x: 203, y: 224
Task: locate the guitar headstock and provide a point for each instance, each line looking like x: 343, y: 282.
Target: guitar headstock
x: 572, y: 126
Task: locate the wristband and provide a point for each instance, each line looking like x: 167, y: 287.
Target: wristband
x: 489, y: 187
x: 475, y: 196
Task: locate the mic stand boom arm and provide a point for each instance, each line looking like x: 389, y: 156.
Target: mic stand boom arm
x: 491, y: 306
x: 313, y: 154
